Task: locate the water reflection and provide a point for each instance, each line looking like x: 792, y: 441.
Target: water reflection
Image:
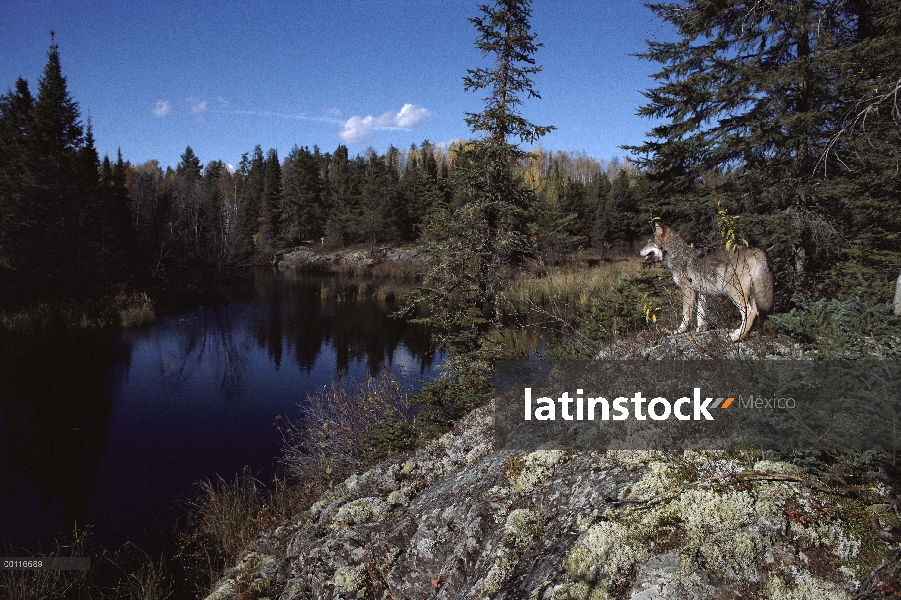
x: 55, y: 407
x: 349, y: 316
x: 108, y: 428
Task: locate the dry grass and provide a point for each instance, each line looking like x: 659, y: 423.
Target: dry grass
x: 29, y: 585
x: 229, y: 514
x: 134, y: 309
x: 131, y: 309
x: 28, y: 321
x: 576, y: 285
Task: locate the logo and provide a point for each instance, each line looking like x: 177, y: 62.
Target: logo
x: 686, y: 408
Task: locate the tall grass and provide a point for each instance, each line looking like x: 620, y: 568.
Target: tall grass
x: 28, y: 321
x: 134, y: 309
x: 583, y: 307
x: 30, y: 585
x: 229, y: 514
x: 575, y: 285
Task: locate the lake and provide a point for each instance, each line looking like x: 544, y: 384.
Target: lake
x: 110, y: 428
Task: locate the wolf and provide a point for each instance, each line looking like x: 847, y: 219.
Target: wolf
x: 743, y: 274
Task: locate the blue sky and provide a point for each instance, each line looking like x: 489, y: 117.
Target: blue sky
x: 158, y: 76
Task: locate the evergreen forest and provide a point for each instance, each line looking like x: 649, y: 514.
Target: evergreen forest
x: 782, y: 118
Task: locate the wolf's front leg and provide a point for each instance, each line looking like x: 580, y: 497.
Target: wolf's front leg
x: 689, y: 297
x: 702, y: 312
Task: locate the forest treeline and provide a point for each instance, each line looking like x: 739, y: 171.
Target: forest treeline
x: 73, y: 224
x: 778, y: 124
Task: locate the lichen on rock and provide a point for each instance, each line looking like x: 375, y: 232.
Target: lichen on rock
x: 605, y: 554
x: 363, y: 510
x: 534, y: 468
x: 458, y: 518
x: 351, y: 580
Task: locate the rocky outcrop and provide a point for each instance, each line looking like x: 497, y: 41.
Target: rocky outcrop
x: 458, y: 518
x: 707, y: 345
x: 305, y: 259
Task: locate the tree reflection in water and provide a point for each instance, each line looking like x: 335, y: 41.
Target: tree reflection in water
x: 109, y: 427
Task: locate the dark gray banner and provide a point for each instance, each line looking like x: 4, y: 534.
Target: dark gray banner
x: 702, y: 405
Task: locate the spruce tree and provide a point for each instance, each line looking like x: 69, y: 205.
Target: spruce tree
x: 56, y: 136
x: 747, y: 96
x: 17, y: 178
x: 343, y: 192
x: 863, y: 155
x: 375, y: 199
x: 470, y: 242
x: 269, y: 221
x: 302, y: 204
x: 190, y: 165
x: 249, y: 209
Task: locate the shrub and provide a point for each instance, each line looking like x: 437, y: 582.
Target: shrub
x: 850, y: 328
x: 339, y: 426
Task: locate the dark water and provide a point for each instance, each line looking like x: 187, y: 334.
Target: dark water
x: 109, y: 429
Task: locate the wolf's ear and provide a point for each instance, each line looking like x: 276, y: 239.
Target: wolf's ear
x: 661, y: 231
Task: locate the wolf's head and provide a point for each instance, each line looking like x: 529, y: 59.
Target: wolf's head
x: 653, y: 250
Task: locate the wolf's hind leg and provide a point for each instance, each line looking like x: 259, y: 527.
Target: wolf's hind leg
x: 748, y: 310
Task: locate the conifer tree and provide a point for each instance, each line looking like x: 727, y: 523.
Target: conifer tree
x: 188, y: 188
x: 190, y: 165
x: 302, y: 203
x: 747, y: 96
x: 65, y: 176
x: 17, y: 178
x: 342, y: 185
x: 375, y: 200
x: 249, y: 209
x: 470, y: 242
x: 269, y: 202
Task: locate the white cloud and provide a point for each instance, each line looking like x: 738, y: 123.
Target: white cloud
x: 411, y: 116
x: 197, y: 105
x: 161, y: 109
x: 335, y: 112
x: 223, y: 103
x: 359, y: 129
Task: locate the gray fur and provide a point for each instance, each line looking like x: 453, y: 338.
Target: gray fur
x: 898, y: 296
x: 744, y: 275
